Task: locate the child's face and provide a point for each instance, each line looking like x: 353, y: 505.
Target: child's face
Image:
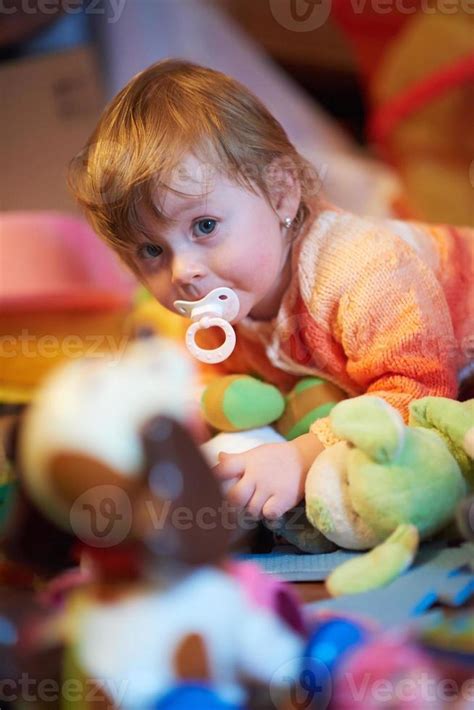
x: 222, y: 235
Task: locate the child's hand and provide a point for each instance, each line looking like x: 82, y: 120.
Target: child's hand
x: 271, y: 477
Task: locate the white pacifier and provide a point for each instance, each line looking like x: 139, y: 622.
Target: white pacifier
x: 216, y: 309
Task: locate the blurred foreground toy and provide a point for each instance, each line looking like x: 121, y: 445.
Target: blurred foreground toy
x: 112, y: 397
x: 194, y: 622
x: 332, y: 640
x: 351, y: 664
x: 197, y: 697
x: 106, y: 456
x: 388, y: 671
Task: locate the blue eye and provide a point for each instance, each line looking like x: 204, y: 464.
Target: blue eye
x: 149, y: 251
x: 205, y: 226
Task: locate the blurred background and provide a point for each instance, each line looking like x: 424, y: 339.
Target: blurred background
x: 378, y: 94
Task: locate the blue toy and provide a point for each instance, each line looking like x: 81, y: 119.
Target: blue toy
x: 329, y: 643
x: 195, y: 696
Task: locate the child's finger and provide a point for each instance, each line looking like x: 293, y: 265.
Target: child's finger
x: 227, y: 484
x: 240, y: 494
x: 256, y: 503
x: 229, y: 466
x: 274, y: 508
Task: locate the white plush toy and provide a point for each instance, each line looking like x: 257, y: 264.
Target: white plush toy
x: 96, y: 406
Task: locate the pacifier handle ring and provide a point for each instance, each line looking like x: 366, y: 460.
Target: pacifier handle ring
x: 216, y: 354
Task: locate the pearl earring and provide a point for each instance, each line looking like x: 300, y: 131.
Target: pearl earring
x: 287, y: 222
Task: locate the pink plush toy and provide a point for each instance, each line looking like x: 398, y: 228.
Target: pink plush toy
x: 387, y: 672
x: 269, y: 593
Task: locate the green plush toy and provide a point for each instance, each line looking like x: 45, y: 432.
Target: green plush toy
x: 388, y: 483
x: 454, y: 421
x: 239, y: 402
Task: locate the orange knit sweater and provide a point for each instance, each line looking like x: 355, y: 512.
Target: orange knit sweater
x: 376, y: 306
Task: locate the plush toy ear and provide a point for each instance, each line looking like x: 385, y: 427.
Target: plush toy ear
x: 181, y: 483
x: 452, y: 420
x: 370, y: 424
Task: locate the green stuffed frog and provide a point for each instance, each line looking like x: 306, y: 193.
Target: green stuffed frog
x: 386, y: 485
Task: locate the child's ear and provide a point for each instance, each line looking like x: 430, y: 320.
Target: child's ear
x: 283, y: 183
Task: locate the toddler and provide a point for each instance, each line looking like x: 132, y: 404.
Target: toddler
x: 196, y: 186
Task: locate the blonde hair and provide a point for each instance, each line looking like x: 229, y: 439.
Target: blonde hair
x: 167, y: 111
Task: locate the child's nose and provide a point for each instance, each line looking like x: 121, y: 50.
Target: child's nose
x: 186, y: 270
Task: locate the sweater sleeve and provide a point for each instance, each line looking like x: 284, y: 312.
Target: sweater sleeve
x: 396, y: 332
